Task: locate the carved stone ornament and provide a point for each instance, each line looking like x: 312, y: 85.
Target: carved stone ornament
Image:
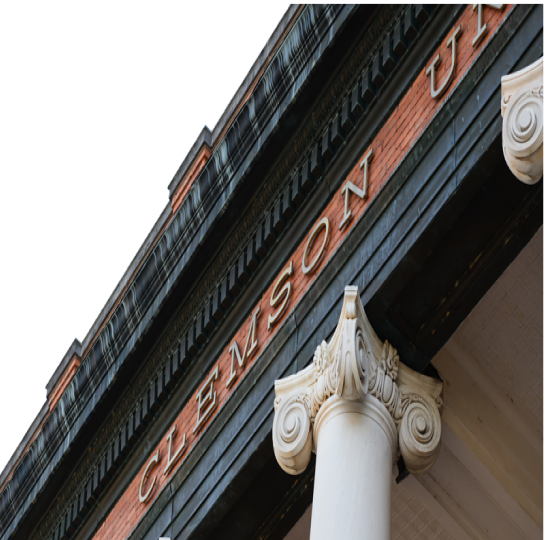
x: 353, y: 365
x: 521, y: 109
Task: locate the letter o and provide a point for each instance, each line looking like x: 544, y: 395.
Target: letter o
x: 324, y: 222
x: 151, y: 463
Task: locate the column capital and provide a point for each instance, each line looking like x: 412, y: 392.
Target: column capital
x: 355, y: 367
x: 521, y: 109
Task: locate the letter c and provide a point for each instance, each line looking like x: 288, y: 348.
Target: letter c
x: 151, y: 463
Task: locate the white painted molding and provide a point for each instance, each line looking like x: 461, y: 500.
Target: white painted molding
x: 354, y: 365
x: 522, y: 112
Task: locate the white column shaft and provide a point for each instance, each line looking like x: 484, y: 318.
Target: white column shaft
x: 355, y: 451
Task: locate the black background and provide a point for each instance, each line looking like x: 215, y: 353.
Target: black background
x: 100, y: 109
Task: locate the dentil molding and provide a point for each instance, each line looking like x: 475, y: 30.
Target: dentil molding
x: 521, y: 109
x: 357, y: 367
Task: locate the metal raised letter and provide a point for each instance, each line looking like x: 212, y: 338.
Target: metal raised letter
x: 171, y: 459
x: 481, y: 26
x: 276, y: 295
x: 234, y: 349
x: 151, y: 463
x: 431, y: 70
x: 349, y: 186
x: 209, y: 397
x: 322, y: 223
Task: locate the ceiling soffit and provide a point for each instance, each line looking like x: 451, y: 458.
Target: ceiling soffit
x: 504, y: 333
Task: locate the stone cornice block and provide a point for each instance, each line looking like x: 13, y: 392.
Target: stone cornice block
x: 74, y: 350
x: 203, y: 141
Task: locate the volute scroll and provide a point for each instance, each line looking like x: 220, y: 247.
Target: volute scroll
x: 523, y: 118
x: 292, y: 440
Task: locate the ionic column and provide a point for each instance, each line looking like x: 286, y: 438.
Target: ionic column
x: 522, y: 125
x: 359, y: 409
